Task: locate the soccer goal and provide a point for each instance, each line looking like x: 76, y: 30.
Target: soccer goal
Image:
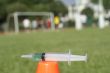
x: 19, y: 16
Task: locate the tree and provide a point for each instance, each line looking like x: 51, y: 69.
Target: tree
x: 106, y: 3
x: 40, y: 8
x: 16, y: 7
x: 58, y: 7
x: 3, y: 12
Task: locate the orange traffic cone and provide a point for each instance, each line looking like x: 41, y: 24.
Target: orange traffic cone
x: 47, y: 67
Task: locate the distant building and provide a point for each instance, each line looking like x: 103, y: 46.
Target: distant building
x: 75, y: 8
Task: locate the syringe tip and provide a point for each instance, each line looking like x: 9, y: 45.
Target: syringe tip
x: 26, y: 56
x: 23, y: 56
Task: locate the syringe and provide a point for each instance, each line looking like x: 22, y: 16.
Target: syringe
x: 55, y: 57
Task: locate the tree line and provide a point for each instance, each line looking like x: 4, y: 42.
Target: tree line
x: 10, y: 6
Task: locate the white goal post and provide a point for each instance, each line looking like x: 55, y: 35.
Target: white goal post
x: 16, y: 14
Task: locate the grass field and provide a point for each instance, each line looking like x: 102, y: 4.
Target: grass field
x: 94, y: 42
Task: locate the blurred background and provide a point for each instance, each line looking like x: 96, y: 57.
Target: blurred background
x: 53, y: 14
x: 55, y: 26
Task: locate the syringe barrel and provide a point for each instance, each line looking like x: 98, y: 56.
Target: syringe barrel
x: 56, y: 57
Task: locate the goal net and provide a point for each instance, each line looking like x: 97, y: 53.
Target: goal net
x: 20, y: 21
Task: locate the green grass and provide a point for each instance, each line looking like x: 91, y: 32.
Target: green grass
x: 94, y: 42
